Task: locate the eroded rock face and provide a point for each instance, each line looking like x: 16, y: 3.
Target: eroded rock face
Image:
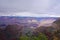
x: 14, y: 31
x: 57, y: 23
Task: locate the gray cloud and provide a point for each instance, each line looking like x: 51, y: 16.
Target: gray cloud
x: 15, y: 5
x: 34, y: 6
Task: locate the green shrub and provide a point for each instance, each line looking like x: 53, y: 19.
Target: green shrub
x: 40, y: 37
x: 24, y: 38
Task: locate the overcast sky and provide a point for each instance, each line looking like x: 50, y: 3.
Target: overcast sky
x: 30, y: 7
